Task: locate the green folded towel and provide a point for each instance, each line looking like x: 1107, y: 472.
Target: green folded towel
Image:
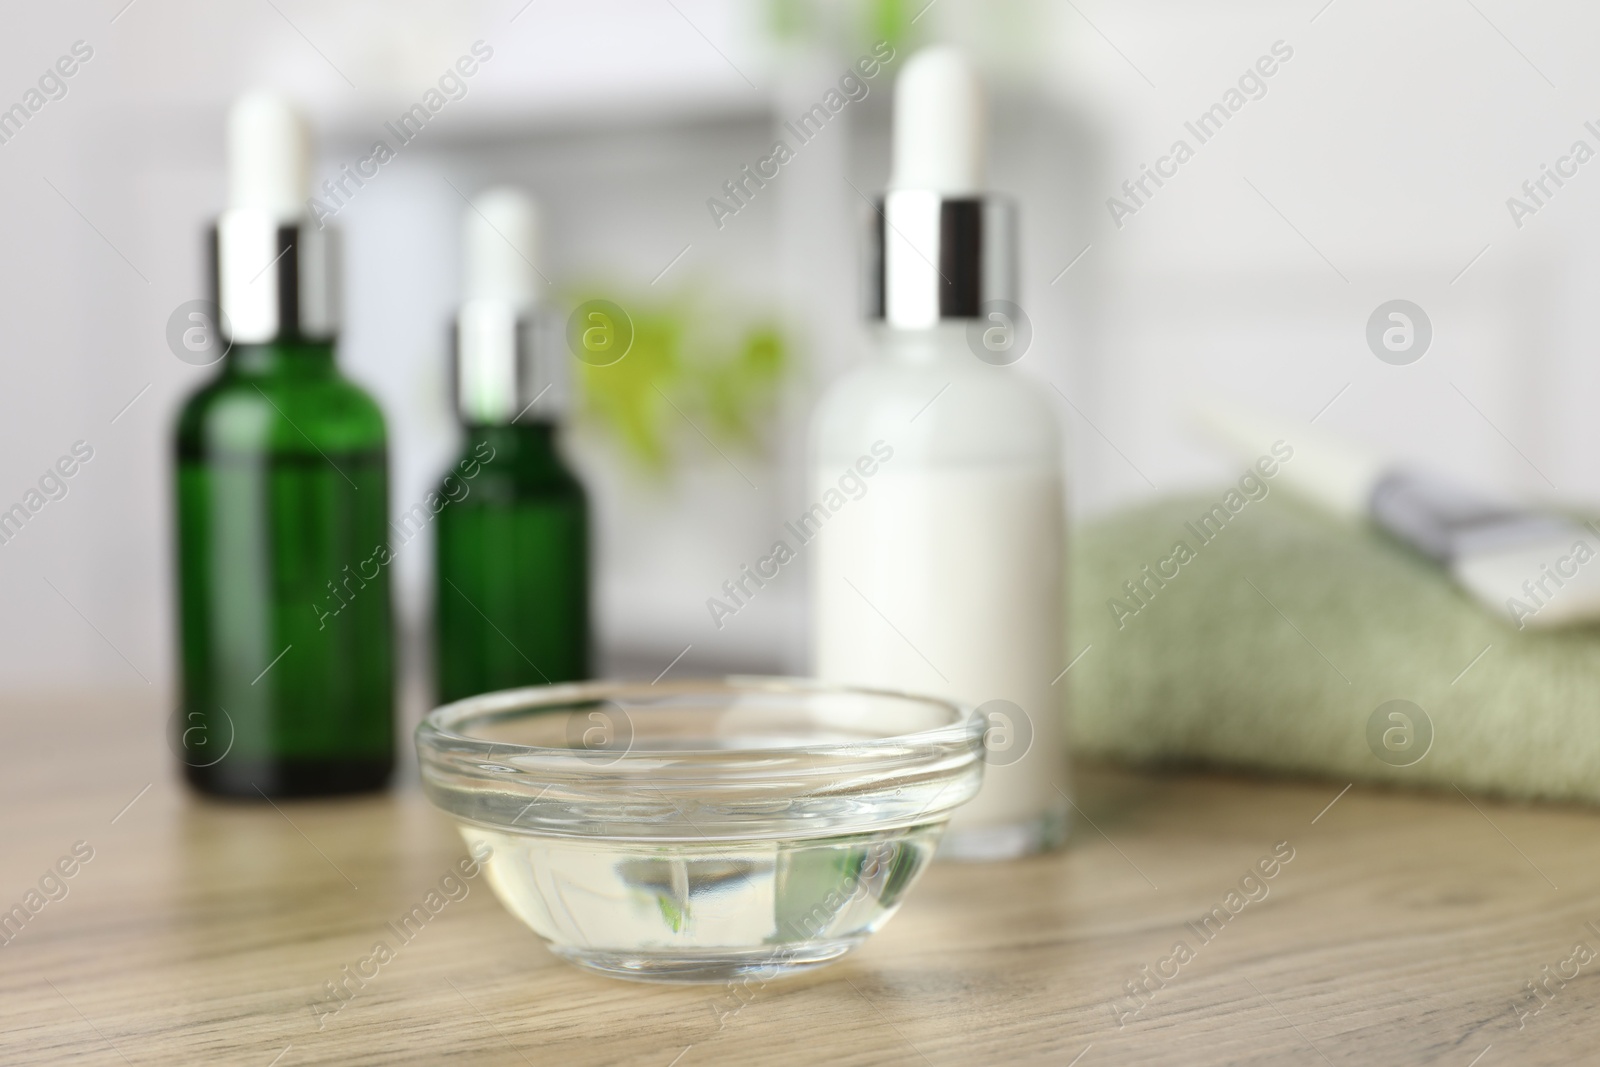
x: 1272, y: 645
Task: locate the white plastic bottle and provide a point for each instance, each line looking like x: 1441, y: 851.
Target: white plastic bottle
x: 939, y: 566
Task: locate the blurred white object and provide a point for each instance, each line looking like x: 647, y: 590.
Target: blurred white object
x: 500, y: 244
x: 938, y: 124
x: 269, y: 156
x: 1531, y: 567
x: 502, y: 369
x: 937, y: 483
x: 277, y: 275
x: 1334, y: 474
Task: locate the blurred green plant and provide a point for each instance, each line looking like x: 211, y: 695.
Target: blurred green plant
x: 687, y: 373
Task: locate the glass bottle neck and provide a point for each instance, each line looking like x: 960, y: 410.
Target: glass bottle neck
x: 526, y: 447
x: 308, y: 359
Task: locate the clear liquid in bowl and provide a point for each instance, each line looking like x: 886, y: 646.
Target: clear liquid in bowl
x: 698, y: 910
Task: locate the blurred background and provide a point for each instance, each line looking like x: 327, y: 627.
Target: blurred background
x: 1374, y: 164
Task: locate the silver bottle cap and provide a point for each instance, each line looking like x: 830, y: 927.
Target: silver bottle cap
x: 508, y: 367
x: 275, y: 280
x: 932, y: 257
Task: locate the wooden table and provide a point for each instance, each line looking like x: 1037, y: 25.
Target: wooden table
x: 1403, y: 930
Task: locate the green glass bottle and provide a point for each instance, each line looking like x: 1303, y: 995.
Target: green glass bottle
x: 512, y: 590
x: 282, y: 509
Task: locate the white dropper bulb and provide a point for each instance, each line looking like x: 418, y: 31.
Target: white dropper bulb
x: 269, y: 156
x: 939, y: 124
x: 500, y: 240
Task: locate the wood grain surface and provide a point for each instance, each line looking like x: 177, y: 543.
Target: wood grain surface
x: 1405, y: 929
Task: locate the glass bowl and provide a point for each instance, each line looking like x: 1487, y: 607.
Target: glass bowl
x: 699, y: 831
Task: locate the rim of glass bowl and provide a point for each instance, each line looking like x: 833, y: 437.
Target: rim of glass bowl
x: 796, y: 790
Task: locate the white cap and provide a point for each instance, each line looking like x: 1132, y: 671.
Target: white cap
x: 269, y: 156
x: 938, y: 124
x: 500, y: 241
